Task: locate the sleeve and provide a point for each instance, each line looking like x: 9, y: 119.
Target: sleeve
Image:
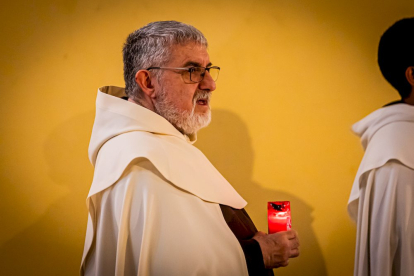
x: 244, y: 229
x: 391, y: 220
x: 254, y: 257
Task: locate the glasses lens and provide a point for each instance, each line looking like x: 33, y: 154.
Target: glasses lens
x: 187, y: 77
x: 214, y: 73
x: 197, y: 74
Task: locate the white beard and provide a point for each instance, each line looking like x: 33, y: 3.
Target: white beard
x: 185, y: 121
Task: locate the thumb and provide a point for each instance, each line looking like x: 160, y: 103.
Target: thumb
x: 260, y: 233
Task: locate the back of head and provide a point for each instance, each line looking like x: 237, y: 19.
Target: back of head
x: 151, y: 46
x: 396, y: 54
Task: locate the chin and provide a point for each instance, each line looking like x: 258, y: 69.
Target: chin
x: 193, y: 123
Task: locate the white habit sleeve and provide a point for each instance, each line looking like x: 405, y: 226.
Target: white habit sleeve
x: 385, y: 234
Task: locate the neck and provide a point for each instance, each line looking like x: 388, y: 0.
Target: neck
x: 410, y: 99
x: 142, y: 103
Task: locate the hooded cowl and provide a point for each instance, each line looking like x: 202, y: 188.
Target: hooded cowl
x: 386, y: 134
x: 124, y: 131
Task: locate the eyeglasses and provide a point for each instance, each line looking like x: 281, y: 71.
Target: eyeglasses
x: 194, y: 74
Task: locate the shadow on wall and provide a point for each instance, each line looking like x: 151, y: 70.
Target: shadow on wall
x: 53, y: 245
x: 227, y: 144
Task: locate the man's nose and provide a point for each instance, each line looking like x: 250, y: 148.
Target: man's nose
x: 207, y: 83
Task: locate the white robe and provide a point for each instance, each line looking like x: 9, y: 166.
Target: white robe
x: 154, y: 201
x: 382, y: 197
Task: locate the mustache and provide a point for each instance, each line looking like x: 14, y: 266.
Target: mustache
x: 202, y: 95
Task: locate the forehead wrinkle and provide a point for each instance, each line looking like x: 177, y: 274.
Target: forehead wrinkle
x: 191, y: 55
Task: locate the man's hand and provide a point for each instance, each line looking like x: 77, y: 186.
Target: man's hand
x: 277, y: 248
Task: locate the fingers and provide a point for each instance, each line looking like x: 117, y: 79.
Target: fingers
x: 293, y: 238
x: 291, y: 234
x: 294, y: 245
x: 260, y: 233
x: 294, y: 253
x: 283, y: 264
x: 277, y: 248
x: 286, y: 236
x: 288, y: 242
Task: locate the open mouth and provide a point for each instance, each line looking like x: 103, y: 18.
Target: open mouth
x: 202, y: 102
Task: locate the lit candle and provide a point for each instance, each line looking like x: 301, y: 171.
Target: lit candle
x: 278, y: 216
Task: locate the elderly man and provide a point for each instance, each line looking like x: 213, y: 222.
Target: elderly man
x: 157, y: 206
x: 382, y: 197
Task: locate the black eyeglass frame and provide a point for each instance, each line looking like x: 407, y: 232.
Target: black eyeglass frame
x: 190, y: 70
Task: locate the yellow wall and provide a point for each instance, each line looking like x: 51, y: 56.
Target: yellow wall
x: 295, y: 75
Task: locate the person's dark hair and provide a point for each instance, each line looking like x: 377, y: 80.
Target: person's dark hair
x: 151, y: 46
x: 396, y: 54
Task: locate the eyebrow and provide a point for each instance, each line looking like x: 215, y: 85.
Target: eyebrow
x: 195, y: 64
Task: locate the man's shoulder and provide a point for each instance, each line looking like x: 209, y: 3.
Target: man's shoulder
x: 136, y: 140
x: 396, y: 134
x: 131, y: 145
x: 392, y: 142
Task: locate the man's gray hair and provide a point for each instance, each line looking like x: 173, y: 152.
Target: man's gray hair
x: 151, y: 46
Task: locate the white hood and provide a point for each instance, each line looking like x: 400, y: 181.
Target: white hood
x: 124, y: 132
x: 367, y: 127
x: 115, y: 116
x: 385, y: 135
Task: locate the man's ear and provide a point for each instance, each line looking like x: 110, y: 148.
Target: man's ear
x: 409, y: 74
x: 143, y: 79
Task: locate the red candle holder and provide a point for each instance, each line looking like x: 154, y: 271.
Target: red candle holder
x: 278, y: 216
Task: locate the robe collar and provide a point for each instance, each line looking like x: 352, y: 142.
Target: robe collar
x: 126, y: 117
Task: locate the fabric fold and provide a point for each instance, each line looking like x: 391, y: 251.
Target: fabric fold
x: 143, y: 163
